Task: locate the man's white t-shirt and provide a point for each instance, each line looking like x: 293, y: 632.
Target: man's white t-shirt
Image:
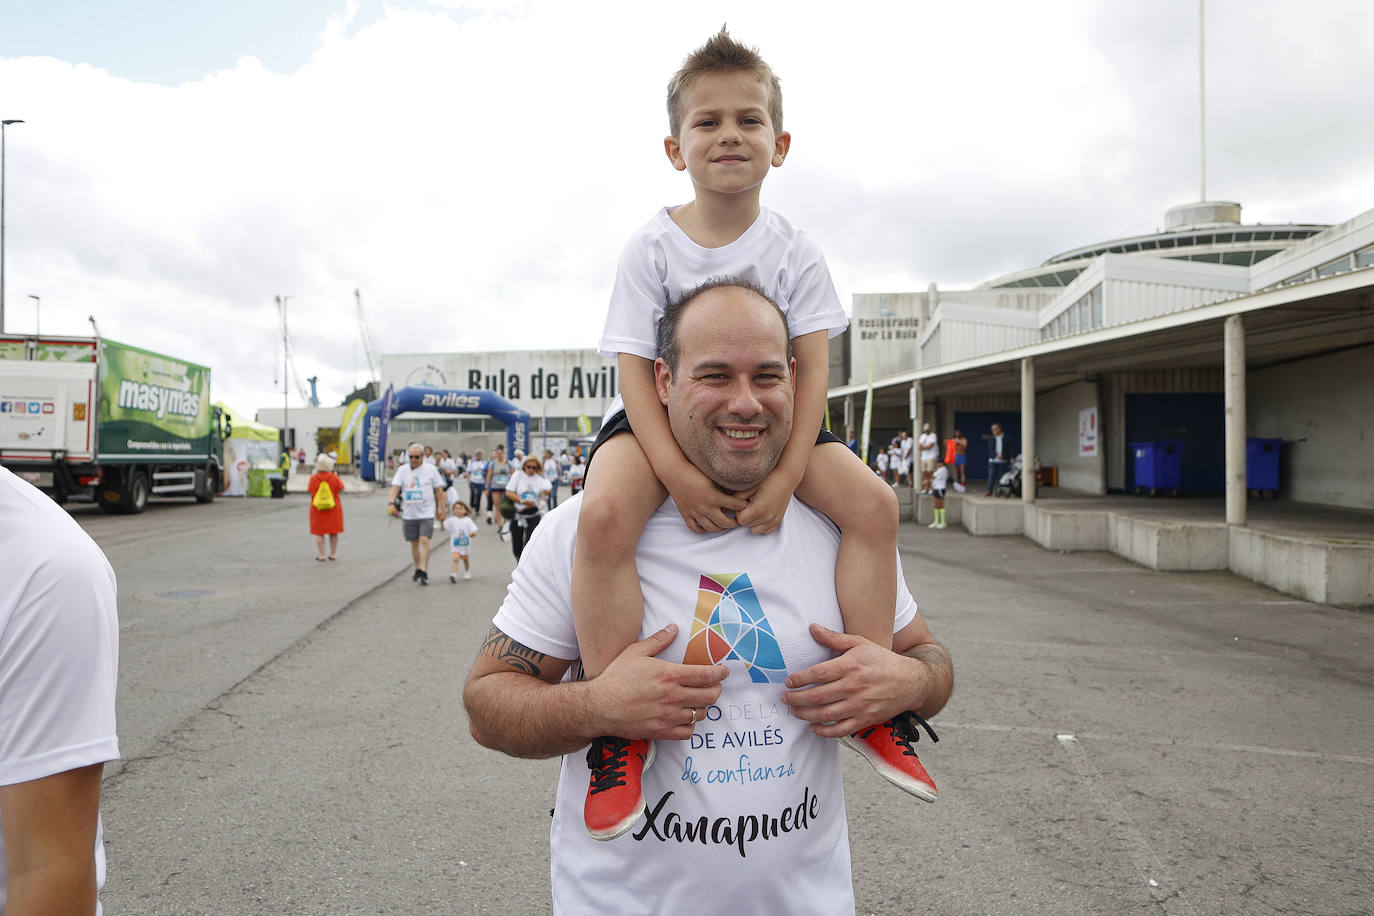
x: 59, y: 647
x: 660, y: 263
x: 930, y: 446
x: 417, y: 490
x: 460, y: 532
x: 749, y: 813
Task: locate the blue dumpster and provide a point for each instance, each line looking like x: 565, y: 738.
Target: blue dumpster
x: 1262, y: 465
x: 1158, y: 465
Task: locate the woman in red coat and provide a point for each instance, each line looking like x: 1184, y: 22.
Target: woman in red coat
x: 325, y: 519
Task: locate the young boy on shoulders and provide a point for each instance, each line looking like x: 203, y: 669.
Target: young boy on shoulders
x: 725, y: 118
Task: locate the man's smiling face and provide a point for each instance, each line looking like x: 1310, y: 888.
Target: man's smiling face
x: 730, y: 401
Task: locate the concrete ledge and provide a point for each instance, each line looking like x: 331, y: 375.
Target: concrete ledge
x: 1168, y: 545
x: 1337, y: 571
x: 1327, y: 572
x: 992, y: 516
x: 1065, y: 530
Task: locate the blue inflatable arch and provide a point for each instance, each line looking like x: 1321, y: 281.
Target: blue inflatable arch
x: 436, y: 400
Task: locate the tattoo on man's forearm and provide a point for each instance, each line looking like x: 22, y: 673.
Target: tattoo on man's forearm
x: 501, y: 647
x: 932, y: 655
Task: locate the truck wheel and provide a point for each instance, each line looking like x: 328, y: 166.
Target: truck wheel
x: 138, y: 493
x: 209, y: 485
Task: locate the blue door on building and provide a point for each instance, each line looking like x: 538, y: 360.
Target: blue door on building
x: 1198, y: 420
x: 977, y: 428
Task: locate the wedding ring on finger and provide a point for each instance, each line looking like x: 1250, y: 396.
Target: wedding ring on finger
x: 694, y: 716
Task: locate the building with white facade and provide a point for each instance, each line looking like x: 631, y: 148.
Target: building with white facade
x: 1161, y: 337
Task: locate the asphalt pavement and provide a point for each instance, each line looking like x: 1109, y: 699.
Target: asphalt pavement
x: 1119, y: 740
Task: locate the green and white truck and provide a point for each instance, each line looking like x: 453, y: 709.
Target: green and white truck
x: 88, y: 419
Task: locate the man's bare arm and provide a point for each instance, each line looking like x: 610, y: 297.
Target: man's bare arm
x: 49, y: 827
x: 866, y: 683
x: 518, y: 704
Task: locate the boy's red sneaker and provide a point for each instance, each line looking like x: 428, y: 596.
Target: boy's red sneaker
x: 888, y: 747
x: 615, y: 798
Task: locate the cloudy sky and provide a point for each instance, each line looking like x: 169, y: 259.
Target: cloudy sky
x: 474, y: 167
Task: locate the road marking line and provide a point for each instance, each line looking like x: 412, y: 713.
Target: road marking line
x: 1160, y: 742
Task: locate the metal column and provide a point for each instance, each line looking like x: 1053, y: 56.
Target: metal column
x: 1027, y: 430
x: 1234, y: 361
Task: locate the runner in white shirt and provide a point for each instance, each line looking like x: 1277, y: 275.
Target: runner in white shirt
x: 420, y: 489
x: 529, y: 489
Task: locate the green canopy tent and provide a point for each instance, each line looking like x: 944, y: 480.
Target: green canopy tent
x: 252, y: 450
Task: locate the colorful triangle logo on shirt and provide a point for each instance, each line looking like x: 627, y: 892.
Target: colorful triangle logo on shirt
x: 730, y: 626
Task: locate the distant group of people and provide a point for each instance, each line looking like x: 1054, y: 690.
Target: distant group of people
x: 896, y: 463
x: 515, y: 493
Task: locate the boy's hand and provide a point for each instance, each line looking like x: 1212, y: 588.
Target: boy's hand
x: 766, y: 506
x: 704, y: 507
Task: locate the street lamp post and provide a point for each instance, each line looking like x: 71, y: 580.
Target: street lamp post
x: 37, y: 304
x: 3, y: 125
x: 285, y: 379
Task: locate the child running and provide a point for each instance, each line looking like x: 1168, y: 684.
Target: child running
x: 725, y: 118
x: 461, y: 530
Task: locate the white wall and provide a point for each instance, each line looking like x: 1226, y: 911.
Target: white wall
x: 1323, y: 409
x: 1056, y: 437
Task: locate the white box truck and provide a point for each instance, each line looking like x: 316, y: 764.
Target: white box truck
x: 89, y: 419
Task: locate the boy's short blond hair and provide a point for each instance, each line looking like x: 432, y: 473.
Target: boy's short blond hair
x: 722, y: 54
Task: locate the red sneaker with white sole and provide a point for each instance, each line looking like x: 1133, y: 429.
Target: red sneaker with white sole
x: 888, y: 748
x: 615, y: 798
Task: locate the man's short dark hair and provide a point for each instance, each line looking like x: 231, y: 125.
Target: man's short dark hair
x: 669, y: 348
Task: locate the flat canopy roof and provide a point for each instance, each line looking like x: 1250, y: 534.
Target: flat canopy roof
x: 1281, y: 325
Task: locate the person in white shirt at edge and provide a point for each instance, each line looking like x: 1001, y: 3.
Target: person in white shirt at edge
x: 421, y: 488
x: 59, y: 658
x: 883, y: 464
x: 930, y: 450
x: 745, y: 802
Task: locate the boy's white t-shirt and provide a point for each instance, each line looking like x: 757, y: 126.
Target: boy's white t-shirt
x: 460, y: 532
x: 747, y: 600
x: 660, y: 263
x: 940, y: 479
x: 59, y: 648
